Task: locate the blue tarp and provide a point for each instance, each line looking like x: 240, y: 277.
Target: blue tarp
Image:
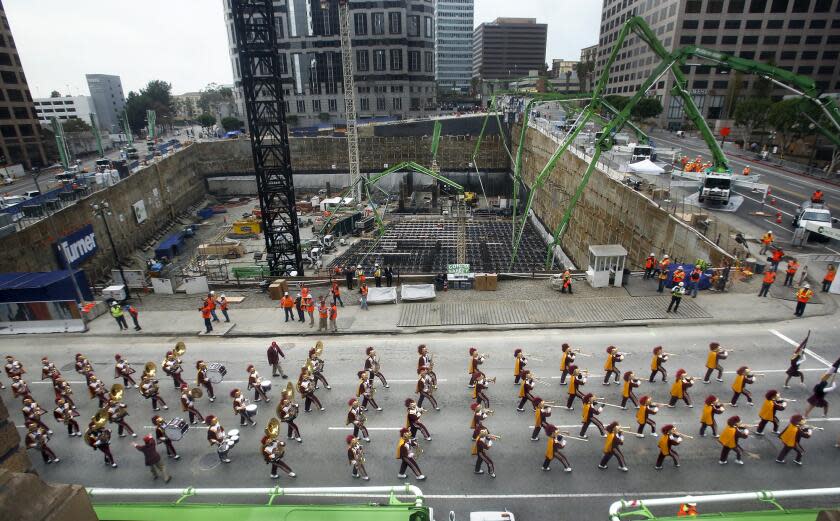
x: 705, y: 277
x: 170, y: 246
x: 40, y: 199
x: 42, y: 286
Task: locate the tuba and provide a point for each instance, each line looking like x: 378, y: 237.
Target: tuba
x: 319, y: 348
x: 289, y: 392
x: 100, y: 419
x: 272, y: 430
x: 117, y: 392
x: 180, y: 349
x: 196, y: 393
x: 149, y: 370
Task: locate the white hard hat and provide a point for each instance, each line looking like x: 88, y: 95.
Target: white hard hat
x: 359, y: 266
x: 679, y: 267
x: 223, y: 295
x: 665, y: 257
x: 652, y: 254
x: 287, y: 293
x: 212, y: 292
x: 769, y: 231
x: 682, y: 284
x: 807, y: 286
x: 298, y: 294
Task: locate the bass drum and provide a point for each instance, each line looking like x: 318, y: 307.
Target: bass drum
x: 265, y: 385
x: 251, y: 410
x: 176, y: 428
x: 216, y: 372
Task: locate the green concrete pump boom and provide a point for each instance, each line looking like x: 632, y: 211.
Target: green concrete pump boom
x: 60, y: 143
x: 127, y: 128
x: 436, y: 139
x: 96, y: 133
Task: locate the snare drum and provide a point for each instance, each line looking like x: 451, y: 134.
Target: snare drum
x: 265, y: 385
x: 176, y: 428
x: 216, y: 372
x: 233, y: 433
x: 251, y: 410
x: 224, y: 446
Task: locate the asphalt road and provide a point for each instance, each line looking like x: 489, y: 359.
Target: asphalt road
x: 521, y: 486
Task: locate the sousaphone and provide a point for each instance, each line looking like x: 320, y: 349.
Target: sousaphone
x: 289, y: 392
x: 272, y: 430
x: 180, y: 349
x: 196, y: 393
x: 100, y: 419
x: 117, y: 392
x: 149, y: 370
x: 319, y: 348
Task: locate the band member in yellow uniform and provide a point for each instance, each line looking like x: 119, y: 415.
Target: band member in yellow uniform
x: 643, y: 416
x: 553, y: 449
x: 567, y: 359
x: 481, y: 449
x: 630, y: 383
x: 591, y: 409
x: 791, y: 437
x: 412, y: 419
x: 679, y: 389
x: 541, y: 415
x: 711, y: 408
x: 476, y: 359
x: 730, y: 439
x: 526, y: 389
x: 578, y: 380
x: 406, y: 447
x: 743, y: 377
x: 519, y: 363
x: 356, y: 457
x: 614, y: 356
x: 670, y: 438
x: 612, y: 447
x: 773, y: 403
x: 716, y: 354
x: 657, y: 364
x: 356, y: 418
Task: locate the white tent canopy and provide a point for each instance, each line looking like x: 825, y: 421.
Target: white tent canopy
x: 646, y: 166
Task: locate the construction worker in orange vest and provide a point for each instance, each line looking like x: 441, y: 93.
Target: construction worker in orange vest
x: 802, y: 297
x: 363, y: 289
x: 790, y: 272
x: 310, y: 308
x: 687, y: 510
x: 746, y: 170
x: 663, y: 276
x: 679, y: 275
x: 769, y: 279
x: 817, y: 196
x: 334, y: 318
x: 287, y: 303
x: 336, y: 293
x: 650, y: 264
x: 829, y: 278
x: 323, y: 313
x: 766, y: 241
x: 205, y: 314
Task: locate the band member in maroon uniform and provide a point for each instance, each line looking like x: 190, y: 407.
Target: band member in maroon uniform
x: 406, y: 447
x: 481, y: 449
x: 123, y: 369
x: 356, y: 457
x: 553, y: 449
x: 203, y: 379
x: 612, y: 447
x: 426, y: 361
x: 591, y: 409
x: 161, y: 437
x: 37, y: 438
x: 356, y: 418
x: 412, y: 420
x: 372, y: 366
x: 188, y: 405
x: 425, y: 388
x: 65, y: 413
x: 670, y: 438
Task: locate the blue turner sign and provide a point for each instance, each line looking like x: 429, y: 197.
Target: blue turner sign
x: 78, y: 247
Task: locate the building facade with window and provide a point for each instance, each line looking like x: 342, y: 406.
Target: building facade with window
x: 63, y: 108
x: 453, y: 44
x: 508, y: 48
x: 394, y: 59
x: 20, y: 134
x: 106, y: 91
x: 802, y: 36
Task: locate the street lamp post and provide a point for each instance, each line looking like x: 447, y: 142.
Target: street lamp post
x: 102, y: 210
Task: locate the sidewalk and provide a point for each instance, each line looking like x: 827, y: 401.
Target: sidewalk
x: 518, y: 304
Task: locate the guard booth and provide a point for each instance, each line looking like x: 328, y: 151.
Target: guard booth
x: 606, y: 265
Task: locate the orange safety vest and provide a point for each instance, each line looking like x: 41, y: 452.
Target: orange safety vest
x: 829, y: 276
x: 649, y: 263
x: 804, y: 295
x: 335, y: 291
x: 287, y: 302
x: 205, y: 311
x: 792, y: 267
x: 310, y: 305
x: 770, y: 277
x: 333, y: 312
x: 364, y: 290
x: 322, y: 311
x: 766, y: 238
x: 777, y: 255
x: 679, y: 276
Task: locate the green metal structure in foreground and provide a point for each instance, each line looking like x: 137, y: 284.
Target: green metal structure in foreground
x: 669, y: 63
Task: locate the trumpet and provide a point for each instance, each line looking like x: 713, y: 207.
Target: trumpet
x: 491, y: 380
x: 812, y: 427
x: 494, y: 436
x: 681, y: 435
x: 489, y: 411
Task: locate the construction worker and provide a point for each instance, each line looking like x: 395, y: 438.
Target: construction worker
x: 119, y: 316
x: 679, y: 275
x: 301, y: 308
x: 333, y: 318
x: 802, y: 297
x: 377, y: 275
x: 323, y: 313
x: 677, y: 293
x: 790, y: 272
x: 766, y: 282
x: 567, y: 282
x: 817, y: 196
x: 776, y: 257
x: 829, y: 278
x: 746, y: 170
x: 348, y: 276
x: 287, y: 304
x: 694, y: 281
x: 360, y: 275
x: 650, y: 264
x: 206, y: 314
x: 335, y: 291
x: 363, y: 289
x: 224, y: 306
x: 663, y: 274
x: 766, y: 241
x: 309, y: 302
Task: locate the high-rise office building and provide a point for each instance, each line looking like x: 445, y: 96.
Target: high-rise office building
x: 802, y: 36
x: 108, y: 100
x: 394, y: 59
x: 588, y: 54
x: 63, y: 108
x: 453, y: 44
x: 20, y: 134
x: 508, y: 48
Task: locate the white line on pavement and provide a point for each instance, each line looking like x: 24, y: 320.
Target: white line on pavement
x: 50, y: 383
x: 771, y: 370
x: 369, y: 428
x: 766, y: 203
x: 815, y: 356
x: 411, y: 380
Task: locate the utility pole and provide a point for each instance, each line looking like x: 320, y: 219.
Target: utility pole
x: 102, y: 210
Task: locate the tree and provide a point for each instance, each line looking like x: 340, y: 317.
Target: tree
x: 618, y: 102
x: 206, y: 120
x: 230, y: 123
x: 751, y: 114
x: 584, y: 70
x: 212, y: 96
x: 157, y: 96
x: 568, y: 80
x: 647, y: 108
x: 55, y: 94
x: 75, y: 125
x: 789, y: 118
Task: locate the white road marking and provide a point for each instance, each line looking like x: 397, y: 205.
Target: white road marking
x: 777, y: 225
x: 411, y: 380
x: 771, y: 370
x: 50, y: 383
x: 766, y: 203
x: 815, y: 356
x: 369, y: 428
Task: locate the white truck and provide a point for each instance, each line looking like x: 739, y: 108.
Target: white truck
x: 812, y: 217
x: 716, y: 187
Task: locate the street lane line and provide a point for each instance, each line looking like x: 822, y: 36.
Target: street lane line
x: 815, y: 356
x: 771, y: 370
x: 411, y: 380
x: 369, y: 428
x: 50, y: 383
x: 767, y: 204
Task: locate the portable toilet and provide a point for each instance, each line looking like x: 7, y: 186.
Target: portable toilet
x: 605, y: 262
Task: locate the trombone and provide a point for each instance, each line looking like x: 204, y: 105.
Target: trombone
x: 539, y: 380
x: 569, y: 436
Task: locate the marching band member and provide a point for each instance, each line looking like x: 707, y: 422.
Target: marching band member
x: 425, y: 389
x: 643, y: 416
x: 306, y: 387
x: 412, y: 419
x: 13, y: 367
x: 273, y: 451
x: 791, y: 438
x: 372, y: 366
x: 172, y: 367
x: 89, y: 375
x: 97, y: 389
x: 64, y: 391
x: 553, y: 449
x: 716, y: 354
x: 215, y: 436
x: 480, y: 384
x: 65, y: 413
x: 123, y: 369
x: 541, y: 414
x: 567, y: 359
x: 160, y: 435
x: 591, y: 409
x: 99, y: 438
x: 254, y: 381
x: 19, y: 387
x: 711, y: 408
x: 657, y: 364
x: 356, y: 457
x: 578, y: 380
x: 188, y: 405
x: 149, y: 390
x: 614, y: 356
x: 743, y: 377
x: 480, y: 450
x: 318, y: 368
x: 48, y: 369
x: 670, y: 438
x: 475, y: 360
x: 479, y: 415
x: 427, y: 362
x: 794, y: 371
x: 37, y: 438
x: 356, y: 418
x: 288, y: 412
x: 405, y: 453
x: 82, y: 364
x: 612, y: 447
x: 274, y: 353
x: 239, y: 404
x: 729, y: 439
x: 519, y: 363
x: 203, y: 379
x: 366, y: 391
x: 32, y: 413
x: 680, y: 387
x: 773, y: 402
x: 526, y: 389
x: 630, y: 383
x: 117, y: 411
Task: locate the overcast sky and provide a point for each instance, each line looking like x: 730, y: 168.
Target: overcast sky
x: 184, y: 42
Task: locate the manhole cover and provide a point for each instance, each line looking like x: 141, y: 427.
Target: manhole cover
x: 209, y: 461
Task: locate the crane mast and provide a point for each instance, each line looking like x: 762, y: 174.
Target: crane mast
x: 349, y: 95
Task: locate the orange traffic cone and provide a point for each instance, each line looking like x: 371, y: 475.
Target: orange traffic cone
x: 779, y: 217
